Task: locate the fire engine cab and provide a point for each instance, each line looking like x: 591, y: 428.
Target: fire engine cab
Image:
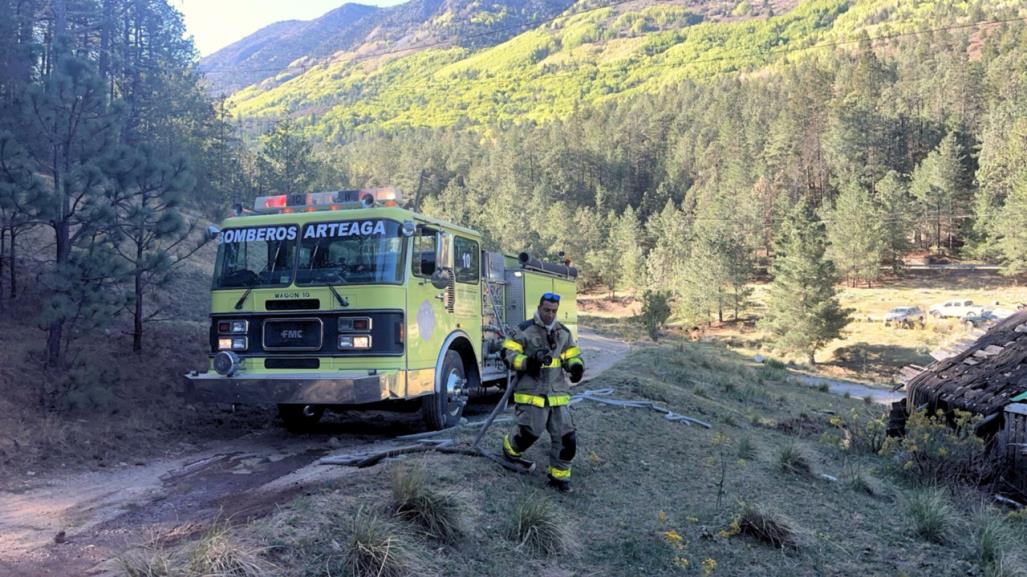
x: 344, y: 299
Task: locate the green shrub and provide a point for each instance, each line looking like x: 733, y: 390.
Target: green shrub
x: 934, y: 452
x: 862, y: 431
x: 655, y: 312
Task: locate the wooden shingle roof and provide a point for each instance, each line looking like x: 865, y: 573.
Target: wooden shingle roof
x: 981, y: 379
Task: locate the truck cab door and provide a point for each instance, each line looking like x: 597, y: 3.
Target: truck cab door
x: 429, y: 315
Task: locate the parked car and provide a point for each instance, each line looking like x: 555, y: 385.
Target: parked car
x: 904, y: 316
x: 955, y: 309
x: 975, y: 320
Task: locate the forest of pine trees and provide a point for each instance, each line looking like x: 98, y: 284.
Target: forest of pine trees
x: 916, y: 142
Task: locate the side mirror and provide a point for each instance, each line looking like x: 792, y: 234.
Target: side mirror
x: 213, y: 232
x: 441, y: 278
x: 443, y: 250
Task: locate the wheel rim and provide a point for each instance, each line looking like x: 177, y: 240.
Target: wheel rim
x: 456, y: 394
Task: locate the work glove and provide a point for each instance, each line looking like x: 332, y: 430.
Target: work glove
x: 577, y: 371
x: 538, y: 360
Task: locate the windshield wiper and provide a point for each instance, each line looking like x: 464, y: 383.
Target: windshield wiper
x: 242, y: 299
x: 343, y: 302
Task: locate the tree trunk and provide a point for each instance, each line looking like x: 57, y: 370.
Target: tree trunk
x: 11, y: 266
x: 3, y: 249
x: 56, y: 329
x: 137, y: 320
x: 812, y: 361
x: 137, y: 313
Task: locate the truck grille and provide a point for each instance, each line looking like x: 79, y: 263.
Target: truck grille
x: 293, y: 334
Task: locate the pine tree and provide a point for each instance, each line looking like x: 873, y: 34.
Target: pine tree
x: 855, y: 234
x: 21, y: 192
x: 286, y: 161
x: 939, y: 184
x: 1011, y: 229
x: 626, y: 238
x: 146, y: 193
x: 74, y: 134
x: 803, y: 313
x: 896, y: 218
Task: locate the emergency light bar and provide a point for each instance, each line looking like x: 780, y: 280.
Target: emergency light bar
x: 338, y: 200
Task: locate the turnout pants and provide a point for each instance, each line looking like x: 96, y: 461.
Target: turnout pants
x: 532, y: 420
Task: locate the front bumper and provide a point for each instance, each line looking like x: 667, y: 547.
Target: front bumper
x: 301, y: 389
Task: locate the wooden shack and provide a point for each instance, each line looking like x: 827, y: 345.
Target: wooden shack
x: 988, y: 378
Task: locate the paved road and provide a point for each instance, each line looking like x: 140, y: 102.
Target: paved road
x: 884, y: 396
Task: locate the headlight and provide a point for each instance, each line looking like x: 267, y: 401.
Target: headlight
x: 226, y: 363
x: 232, y: 344
x: 355, y: 342
x: 233, y: 327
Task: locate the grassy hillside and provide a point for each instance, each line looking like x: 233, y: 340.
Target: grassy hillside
x: 110, y: 405
x: 653, y: 497
x: 585, y: 57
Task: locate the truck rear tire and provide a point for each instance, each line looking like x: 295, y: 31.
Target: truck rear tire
x: 444, y: 408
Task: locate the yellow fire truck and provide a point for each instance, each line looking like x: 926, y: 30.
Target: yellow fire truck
x: 341, y: 299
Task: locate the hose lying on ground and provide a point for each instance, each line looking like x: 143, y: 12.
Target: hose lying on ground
x: 367, y: 459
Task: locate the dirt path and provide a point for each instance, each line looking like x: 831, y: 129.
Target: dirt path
x: 97, y: 514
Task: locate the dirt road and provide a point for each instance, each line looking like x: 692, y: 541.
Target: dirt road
x: 71, y: 525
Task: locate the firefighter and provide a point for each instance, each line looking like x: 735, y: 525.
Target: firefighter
x: 541, y: 350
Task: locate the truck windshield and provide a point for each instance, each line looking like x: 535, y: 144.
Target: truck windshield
x: 351, y: 252
x: 255, y: 256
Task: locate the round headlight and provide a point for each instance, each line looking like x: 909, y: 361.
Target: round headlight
x: 226, y: 363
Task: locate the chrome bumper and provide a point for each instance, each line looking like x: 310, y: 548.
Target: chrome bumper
x: 300, y: 389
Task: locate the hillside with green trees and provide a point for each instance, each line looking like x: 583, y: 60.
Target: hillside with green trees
x: 672, y: 169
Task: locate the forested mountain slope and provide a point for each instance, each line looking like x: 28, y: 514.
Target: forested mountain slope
x: 285, y: 50
x: 664, y: 145
x: 589, y: 54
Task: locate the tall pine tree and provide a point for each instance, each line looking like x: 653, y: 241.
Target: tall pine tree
x: 803, y: 313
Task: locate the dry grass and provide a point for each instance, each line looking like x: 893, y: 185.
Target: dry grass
x: 537, y: 525
x: 746, y: 448
x: 868, y: 349
x: 149, y: 560
x: 767, y: 526
x: 438, y: 514
x: 376, y: 547
x: 794, y: 459
x: 219, y: 554
x: 931, y: 514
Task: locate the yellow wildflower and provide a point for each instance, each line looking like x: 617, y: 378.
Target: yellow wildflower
x: 733, y: 529
x: 682, y: 562
x: 708, y: 567
x: 661, y: 517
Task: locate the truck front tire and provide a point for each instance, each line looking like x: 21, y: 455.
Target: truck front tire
x: 444, y: 408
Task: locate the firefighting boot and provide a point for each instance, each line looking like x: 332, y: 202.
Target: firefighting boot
x: 561, y: 485
x: 514, y: 458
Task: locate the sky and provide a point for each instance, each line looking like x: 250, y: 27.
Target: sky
x: 215, y: 24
